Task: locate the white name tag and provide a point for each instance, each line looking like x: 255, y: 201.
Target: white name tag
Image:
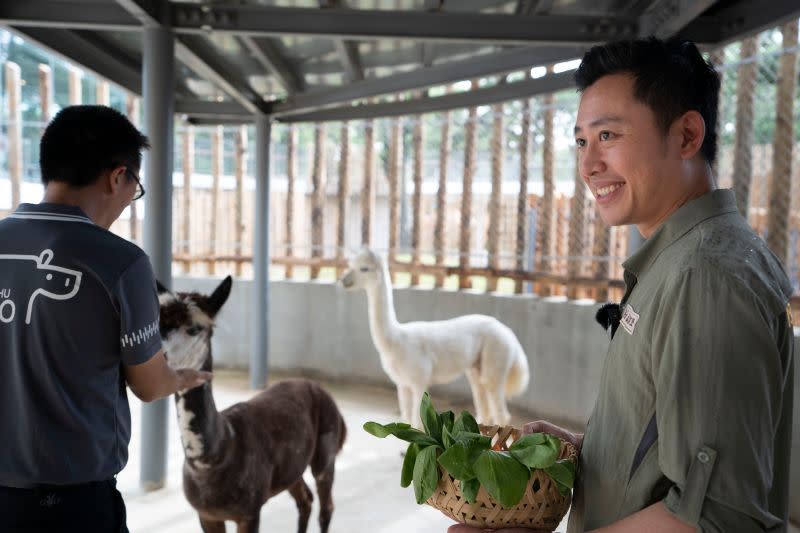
x: 629, y: 319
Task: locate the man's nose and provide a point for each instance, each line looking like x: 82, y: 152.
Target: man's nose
x: 590, y: 161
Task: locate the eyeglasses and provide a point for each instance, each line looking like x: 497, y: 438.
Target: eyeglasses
x: 139, y: 186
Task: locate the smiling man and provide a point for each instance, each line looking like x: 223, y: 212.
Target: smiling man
x: 691, y: 429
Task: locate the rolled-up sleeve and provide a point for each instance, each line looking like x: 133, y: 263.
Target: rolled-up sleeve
x: 139, y: 334
x: 719, y: 379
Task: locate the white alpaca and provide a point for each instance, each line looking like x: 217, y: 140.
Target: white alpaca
x: 416, y: 355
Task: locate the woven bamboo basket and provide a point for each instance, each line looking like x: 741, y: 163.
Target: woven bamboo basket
x: 541, y: 507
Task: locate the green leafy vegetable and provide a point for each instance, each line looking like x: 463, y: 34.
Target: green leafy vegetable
x: 503, y: 477
x: 563, y: 473
x: 459, y: 458
x: 536, y: 450
x: 426, y: 474
x: 401, y: 431
x: 430, y: 420
x: 465, y: 423
x: 470, y: 489
x: 407, y: 474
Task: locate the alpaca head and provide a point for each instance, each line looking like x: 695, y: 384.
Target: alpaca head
x: 187, y: 323
x: 364, y: 270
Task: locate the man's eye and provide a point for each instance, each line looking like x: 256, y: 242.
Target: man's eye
x: 605, y: 135
x: 580, y: 142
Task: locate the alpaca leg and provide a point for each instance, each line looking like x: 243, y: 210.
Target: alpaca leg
x: 403, y: 394
x: 303, y: 497
x: 478, y: 395
x: 497, y: 405
x: 248, y: 526
x: 324, y: 481
x: 212, y: 526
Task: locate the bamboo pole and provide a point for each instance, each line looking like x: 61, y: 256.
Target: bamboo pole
x: 75, y: 86
x: 395, y: 158
x: 188, y: 170
x: 103, y: 93
x: 217, y: 159
x: 132, y: 111
x: 367, y: 193
x: 577, y: 221
x: 318, y: 197
x: 45, y: 93
x: 14, y: 92
x: 291, y: 173
x: 342, y: 194
x: 240, y: 171
x: 522, y: 197
x: 416, y: 227
x: 464, y: 282
x: 743, y: 154
x: 439, y: 243
x: 780, y: 191
x: 547, y: 213
x: 495, y: 205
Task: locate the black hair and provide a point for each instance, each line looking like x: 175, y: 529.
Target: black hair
x: 82, y: 141
x: 670, y: 77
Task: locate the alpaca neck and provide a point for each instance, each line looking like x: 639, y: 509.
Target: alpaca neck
x: 382, y: 319
x: 203, y: 429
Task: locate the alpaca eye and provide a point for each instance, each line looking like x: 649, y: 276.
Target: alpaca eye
x: 194, y: 330
x: 364, y: 269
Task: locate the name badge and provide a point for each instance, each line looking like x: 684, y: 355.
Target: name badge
x: 629, y: 319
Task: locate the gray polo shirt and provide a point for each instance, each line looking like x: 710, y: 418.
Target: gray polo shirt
x: 76, y: 302
x: 695, y: 400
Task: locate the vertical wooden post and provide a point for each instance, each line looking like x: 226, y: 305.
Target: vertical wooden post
x: 743, y: 154
x: 75, y: 86
x: 217, y: 159
x: 395, y: 167
x: 45, y: 93
x: 780, y: 192
x: 522, y: 197
x: 439, y: 243
x: 103, y: 93
x: 188, y: 171
x: 240, y: 170
x: 132, y: 111
x: 416, y: 202
x: 576, y: 234
x: 367, y: 194
x: 495, y: 201
x: 291, y: 167
x: 318, y: 197
x: 547, y: 213
x: 343, y: 193
x: 464, y: 249
x: 14, y: 91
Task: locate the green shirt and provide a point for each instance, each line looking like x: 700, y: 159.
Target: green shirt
x: 695, y: 399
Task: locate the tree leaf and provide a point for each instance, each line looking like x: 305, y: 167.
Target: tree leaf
x: 534, y: 451
x: 401, y: 431
x: 409, y: 461
x: 430, y: 420
x: 470, y: 489
x: 465, y: 423
x: 563, y: 473
x: 426, y: 474
x: 503, y: 477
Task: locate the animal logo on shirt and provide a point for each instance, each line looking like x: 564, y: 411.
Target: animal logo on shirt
x: 54, y: 282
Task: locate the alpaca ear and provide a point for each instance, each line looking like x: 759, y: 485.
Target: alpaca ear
x: 219, y: 296
x: 161, y: 288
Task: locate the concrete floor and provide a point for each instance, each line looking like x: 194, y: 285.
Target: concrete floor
x: 367, y: 491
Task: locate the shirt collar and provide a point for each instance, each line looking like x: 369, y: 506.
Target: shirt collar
x: 712, y: 204
x: 58, y: 210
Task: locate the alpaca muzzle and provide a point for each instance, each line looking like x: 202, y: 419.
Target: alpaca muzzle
x: 348, y: 280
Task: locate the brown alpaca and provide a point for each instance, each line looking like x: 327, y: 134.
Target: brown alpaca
x: 239, y: 458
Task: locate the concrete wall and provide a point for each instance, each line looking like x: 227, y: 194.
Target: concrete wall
x: 322, y: 328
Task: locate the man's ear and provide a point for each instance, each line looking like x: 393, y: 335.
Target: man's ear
x: 116, y: 178
x: 692, y: 132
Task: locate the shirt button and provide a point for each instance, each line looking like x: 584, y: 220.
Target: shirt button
x: 703, y: 457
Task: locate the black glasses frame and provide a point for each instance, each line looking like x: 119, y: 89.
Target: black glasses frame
x: 139, y: 187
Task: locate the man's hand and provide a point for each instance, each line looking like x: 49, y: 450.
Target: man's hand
x: 461, y: 528
x: 155, y: 379
x: 189, y: 378
x: 541, y: 426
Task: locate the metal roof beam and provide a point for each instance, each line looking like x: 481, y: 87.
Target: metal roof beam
x: 502, y: 62
x: 733, y: 22
x: 489, y: 95
x: 362, y: 24
x: 267, y: 53
x: 200, y: 56
x: 97, y: 56
x: 348, y: 52
x: 67, y: 15
x: 667, y: 17
x: 205, y: 109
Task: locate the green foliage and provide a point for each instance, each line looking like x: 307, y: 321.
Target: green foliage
x: 457, y: 445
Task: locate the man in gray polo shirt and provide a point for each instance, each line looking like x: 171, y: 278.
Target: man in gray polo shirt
x: 79, y: 318
x: 692, y: 425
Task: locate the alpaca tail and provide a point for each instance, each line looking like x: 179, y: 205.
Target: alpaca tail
x: 518, y: 375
